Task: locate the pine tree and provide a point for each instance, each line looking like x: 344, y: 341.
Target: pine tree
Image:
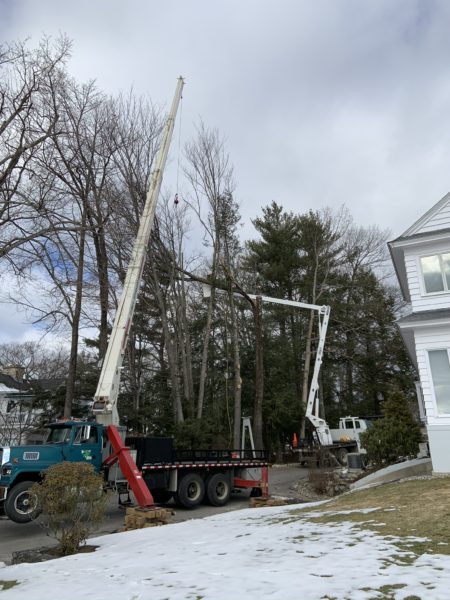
x: 396, y: 435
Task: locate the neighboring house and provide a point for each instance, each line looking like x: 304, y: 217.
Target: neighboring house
x: 421, y: 256
x: 17, y: 415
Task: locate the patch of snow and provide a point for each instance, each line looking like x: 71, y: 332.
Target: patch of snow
x: 271, y: 553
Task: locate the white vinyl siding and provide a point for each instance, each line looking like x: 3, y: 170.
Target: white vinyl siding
x: 430, y: 339
x: 435, y: 222
x: 420, y: 299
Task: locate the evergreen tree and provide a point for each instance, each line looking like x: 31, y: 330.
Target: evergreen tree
x: 396, y: 435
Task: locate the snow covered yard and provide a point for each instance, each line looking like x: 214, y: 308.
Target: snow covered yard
x: 277, y: 553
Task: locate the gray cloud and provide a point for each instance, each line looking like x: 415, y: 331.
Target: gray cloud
x: 322, y: 102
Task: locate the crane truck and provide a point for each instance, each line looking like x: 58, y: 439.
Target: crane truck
x: 154, y: 470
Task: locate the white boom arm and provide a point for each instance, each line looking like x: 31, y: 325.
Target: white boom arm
x: 105, y: 399
x: 312, y: 406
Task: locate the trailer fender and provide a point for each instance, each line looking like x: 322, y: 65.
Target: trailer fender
x: 173, y: 481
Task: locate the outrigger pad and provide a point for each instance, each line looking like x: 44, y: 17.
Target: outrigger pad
x: 139, y: 518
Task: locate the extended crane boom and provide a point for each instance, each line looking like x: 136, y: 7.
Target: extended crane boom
x: 105, y: 399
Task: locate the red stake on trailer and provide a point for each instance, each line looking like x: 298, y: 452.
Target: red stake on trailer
x: 265, y: 481
x: 128, y: 467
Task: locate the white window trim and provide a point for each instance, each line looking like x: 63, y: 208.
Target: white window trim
x: 423, y: 291
x: 438, y: 415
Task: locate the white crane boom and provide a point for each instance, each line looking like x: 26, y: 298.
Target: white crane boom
x: 105, y: 399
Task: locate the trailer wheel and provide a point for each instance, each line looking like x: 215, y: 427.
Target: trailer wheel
x: 191, y: 490
x: 218, y: 489
x: 342, y: 456
x: 21, y: 505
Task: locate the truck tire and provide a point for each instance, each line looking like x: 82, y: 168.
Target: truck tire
x: 341, y: 455
x: 20, y: 505
x: 191, y: 490
x: 218, y: 489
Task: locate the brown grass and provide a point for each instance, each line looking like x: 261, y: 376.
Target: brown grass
x: 416, y: 508
x: 7, y: 584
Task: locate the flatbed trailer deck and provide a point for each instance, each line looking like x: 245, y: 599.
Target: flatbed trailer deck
x: 191, y: 476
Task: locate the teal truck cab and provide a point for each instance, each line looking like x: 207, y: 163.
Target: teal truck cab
x: 22, y: 466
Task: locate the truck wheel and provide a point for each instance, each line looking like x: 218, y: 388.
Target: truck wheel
x: 218, y: 489
x: 21, y: 506
x: 342, y: 457
x: 191, y: 490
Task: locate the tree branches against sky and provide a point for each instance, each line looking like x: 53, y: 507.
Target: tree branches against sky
x: 321, y: 103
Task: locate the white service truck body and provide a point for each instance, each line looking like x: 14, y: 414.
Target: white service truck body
x: 349, y: 430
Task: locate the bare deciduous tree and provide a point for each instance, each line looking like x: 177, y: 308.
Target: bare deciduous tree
x: 209, y: 174
x: 29, y: 119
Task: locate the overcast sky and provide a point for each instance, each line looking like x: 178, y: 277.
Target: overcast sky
x: 321, y: 102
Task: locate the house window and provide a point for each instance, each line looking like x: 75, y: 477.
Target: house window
x: 436, y: 272
x: 440, y: 372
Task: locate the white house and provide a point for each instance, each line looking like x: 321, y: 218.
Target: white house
x: 421, y: 256
x: 17, y: 416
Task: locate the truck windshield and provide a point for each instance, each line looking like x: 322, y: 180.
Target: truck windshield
x: 56, y: 435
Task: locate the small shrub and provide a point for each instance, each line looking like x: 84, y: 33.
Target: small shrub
x: 395, y: 436
x: 73, y: 503
x: 321, y: 481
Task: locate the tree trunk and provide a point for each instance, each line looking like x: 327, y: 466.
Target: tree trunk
x: 237, y: 376
x: 306, y: 368
x: 134, y: 351
x: 172, y: 353
x: 70, y: 388
x: 204, y: 365
x: 185, y: 348
x: 259, y: 375
x: 98, y: 234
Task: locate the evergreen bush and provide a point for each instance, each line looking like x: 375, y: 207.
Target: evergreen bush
x: 73, y: 502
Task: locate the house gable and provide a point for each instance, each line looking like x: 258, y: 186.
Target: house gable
x: 430, y: 232
x: 435, y: 219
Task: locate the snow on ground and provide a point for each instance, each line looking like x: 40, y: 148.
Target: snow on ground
x: 256, y: 553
